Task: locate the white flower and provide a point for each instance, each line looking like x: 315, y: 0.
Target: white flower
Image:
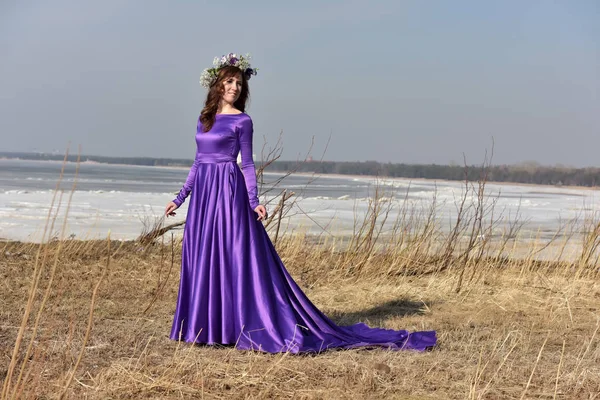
x: 206, y: 78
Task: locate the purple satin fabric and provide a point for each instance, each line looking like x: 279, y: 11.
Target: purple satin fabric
x: 234, y: 289
x: 230, y: 135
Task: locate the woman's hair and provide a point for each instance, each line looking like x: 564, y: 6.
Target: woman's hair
x: 215, y: 93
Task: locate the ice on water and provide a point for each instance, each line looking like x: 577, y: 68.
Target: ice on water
x: 122, y: 199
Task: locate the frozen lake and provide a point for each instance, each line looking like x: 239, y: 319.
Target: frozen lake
x: 120, y: 198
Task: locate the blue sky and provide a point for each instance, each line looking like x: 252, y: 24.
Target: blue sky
x: 397, y: 81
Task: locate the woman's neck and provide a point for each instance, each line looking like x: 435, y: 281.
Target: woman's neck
x: 226, y: 108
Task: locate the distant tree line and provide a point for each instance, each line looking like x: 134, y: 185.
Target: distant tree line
x: 519, y: 173
x: 148, y: 161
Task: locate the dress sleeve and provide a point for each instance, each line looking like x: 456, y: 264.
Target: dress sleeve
x: 188, y: 185
x: 189, y: 182
x: 248, y: 169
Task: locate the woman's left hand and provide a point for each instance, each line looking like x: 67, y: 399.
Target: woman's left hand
x: 261, y: 211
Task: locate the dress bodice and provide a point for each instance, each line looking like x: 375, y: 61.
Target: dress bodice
x: 230, y: 135
x: 223, y: 141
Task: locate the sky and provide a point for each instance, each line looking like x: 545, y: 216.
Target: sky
x: 390, y: 81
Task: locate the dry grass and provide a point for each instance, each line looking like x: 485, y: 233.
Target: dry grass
x: 508, y: 335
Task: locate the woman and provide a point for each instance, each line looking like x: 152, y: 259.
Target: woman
x: 234, y: 288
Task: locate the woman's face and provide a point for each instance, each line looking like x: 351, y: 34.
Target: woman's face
x: 232, y: 89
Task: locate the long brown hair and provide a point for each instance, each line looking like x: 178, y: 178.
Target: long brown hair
x: 215, y: 93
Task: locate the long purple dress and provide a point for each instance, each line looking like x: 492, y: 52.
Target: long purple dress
x: 234, y: 288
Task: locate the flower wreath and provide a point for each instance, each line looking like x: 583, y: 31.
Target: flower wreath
x: 209, y: 75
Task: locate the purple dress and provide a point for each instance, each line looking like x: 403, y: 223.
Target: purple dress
x: 234, y: 288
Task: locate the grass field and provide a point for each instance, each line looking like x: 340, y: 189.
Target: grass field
x: 517, y: 332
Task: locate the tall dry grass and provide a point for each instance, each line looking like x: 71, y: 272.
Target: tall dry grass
x: 89, y: 319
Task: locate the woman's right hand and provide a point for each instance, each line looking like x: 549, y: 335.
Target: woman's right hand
x: 170, y: 209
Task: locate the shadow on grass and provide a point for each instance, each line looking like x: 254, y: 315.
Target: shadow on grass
x: 377, y: 316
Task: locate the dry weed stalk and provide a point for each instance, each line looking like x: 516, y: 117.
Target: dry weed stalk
x: 537, y: 360
x: 89, y: 322
x: 22, y: 385
x: 37, y: 272
x: 588, y: 261
x: 49, y: 286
